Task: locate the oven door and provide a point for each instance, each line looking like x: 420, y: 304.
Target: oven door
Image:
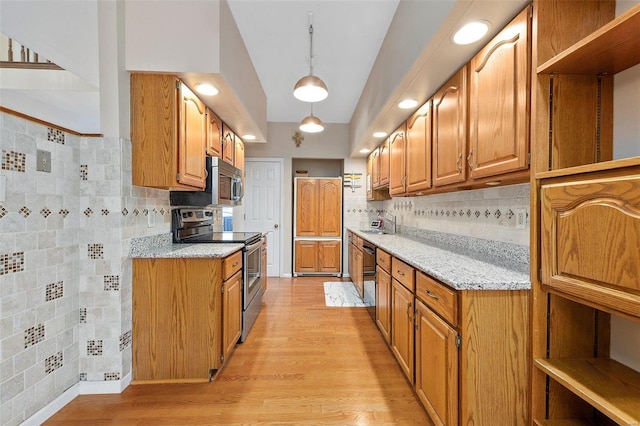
x: 252, y: 271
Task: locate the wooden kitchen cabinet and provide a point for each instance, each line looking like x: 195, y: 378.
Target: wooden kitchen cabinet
x: 168, y: 133
x: 228, y: 145
x: 402, y: 335
x: 585, y: 238
x: 318, y: 207
x: 450, y: 130
x: 238, y: 156
x: 356, y: 266
x: 397, y: 161
x: 214, y: 134
x: 499, y: 102
x: 307, y: 208
x: 231, y: 313
x: 317, y: 256
x: 306, y: 258
x: 383, y: 302
x: 329, y: 254
x: 383, y: 164
x: 418, y: 151
x: 374, y: 159
x: 436, y: 366
x: 374, y: 192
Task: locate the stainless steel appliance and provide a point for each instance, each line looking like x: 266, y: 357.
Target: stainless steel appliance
x: 194, y: 226
x: 224, y: 187
x: 369, y: 274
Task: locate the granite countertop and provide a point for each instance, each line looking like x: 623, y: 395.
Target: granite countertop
x: 161, y: 246
x: 463, y: 263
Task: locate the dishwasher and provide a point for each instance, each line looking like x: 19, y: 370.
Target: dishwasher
x: 369, y: 275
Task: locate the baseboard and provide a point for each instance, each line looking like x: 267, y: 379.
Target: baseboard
x: 80, y: 388
x: 285, y: 275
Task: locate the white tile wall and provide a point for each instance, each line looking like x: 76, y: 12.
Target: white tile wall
x: 50, y: 220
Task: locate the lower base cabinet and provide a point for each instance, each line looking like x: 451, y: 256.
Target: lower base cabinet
x: 402, y: 336
x: 436, y: 366
x: 317, y: 257
x: 184, y: 326
x: 383, y: 303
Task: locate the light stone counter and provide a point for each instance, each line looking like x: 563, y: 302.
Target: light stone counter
x: 160, y: 246
x: 463, y: 263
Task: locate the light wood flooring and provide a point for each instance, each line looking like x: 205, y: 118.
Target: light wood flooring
x: 302, y: 364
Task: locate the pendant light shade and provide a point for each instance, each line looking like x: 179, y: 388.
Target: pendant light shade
x: 311, y: 124
x: 310, y: 88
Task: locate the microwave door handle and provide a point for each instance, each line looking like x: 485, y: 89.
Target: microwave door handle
x: 240, y: 190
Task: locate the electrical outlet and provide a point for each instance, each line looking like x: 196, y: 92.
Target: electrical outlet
x: 43, y: 161
x: 151, y: 219
x: 521, y: 218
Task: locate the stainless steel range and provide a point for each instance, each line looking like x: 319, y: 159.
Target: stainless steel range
x: 195, y: 226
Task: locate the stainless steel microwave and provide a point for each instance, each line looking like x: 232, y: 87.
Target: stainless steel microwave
x: 224, y: 187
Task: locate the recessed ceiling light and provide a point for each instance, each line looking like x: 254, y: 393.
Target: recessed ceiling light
x: 206, y: 89
x: 364, y: 150
x: 408, y: 104
x: 249, y: 137
x: 379, y: 134
x: 471, y: 32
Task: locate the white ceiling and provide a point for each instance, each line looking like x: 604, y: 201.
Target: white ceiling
x: 346, y: 39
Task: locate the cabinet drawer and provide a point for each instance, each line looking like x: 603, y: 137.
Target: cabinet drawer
x: 231, y: 264
x: 383, y: 259
x: 403, y: 273
x: 438, y: 297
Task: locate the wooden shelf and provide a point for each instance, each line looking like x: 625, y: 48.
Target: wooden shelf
x: 589, y: 168
x: 611, y: 49
x: 562, y: 422
x: 609, y: 386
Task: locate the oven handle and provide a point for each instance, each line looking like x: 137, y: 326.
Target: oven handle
x: 255, y: 246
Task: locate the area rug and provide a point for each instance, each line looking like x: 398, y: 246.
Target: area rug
x: 342, y: 294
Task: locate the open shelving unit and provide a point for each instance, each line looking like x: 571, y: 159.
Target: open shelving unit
x: 586, y: 216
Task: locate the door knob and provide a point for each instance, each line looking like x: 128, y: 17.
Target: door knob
x: 276, y: 226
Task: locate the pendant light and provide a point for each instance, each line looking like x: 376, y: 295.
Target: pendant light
x: 311, y: 123
x: 310, y: 88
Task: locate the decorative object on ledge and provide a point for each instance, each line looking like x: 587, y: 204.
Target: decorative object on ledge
x: 351, y: 180
x: 297, y: 139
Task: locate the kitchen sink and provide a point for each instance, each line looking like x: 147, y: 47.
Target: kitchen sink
x: 373, y: 231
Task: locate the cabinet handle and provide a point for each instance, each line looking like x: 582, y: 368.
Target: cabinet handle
x: 399, y: 272
x: 458, y: 166
x: 234, y: 264
x: 409, y: 309
x: 432, y: 295
x: 469, y: 159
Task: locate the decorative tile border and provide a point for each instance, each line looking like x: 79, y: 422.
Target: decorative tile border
x: 55, y: 135
x: 125, y: 340
x: 84, y: 172
x: 83, y: 315
x: 82, y: 377
x: 111, y: 376
x: 94, y: 347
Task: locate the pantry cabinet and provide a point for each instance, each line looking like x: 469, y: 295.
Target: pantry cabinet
x: 450, y: 130
x: 587, y: 225
x: 499, y: 102
x: 168, y: 133
x: 187, y: 314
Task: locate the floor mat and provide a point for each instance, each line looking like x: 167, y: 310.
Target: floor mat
x: 342, y: 294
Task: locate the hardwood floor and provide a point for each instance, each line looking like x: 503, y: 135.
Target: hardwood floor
x: 303, y: 363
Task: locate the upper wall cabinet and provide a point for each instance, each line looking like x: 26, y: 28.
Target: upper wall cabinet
x: 418, y: 151
x: 214, y: 134
x: 499, y: 102
x: 228, y: 145
x: 168, y: 133
x: 450, y: 130
x: 397, y: 163
x: 383, y: 164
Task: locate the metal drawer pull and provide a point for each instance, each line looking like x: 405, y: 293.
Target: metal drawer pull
x: 432, y: 295
x: 400, y: 272
x: 234, y: 264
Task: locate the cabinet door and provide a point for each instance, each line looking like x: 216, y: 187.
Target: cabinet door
x: 436, y: 367
x: 369, y: 181
x: 375, y: 168
x: 329, y: 256
x: 232, y: 313
x: 499, y: 102
x: 418, y: 151
x: 358, y: 274
x: 192, y: 138
x: 306, y: 259
x: 214, y: 134
x: 383, y: 303
x: 383, y: 164
x: 329, y: 207
x: 238, y: 159
x: 306, y: 207
x: 402, y: 315
x: 228, y: 146
x: 397, y: 172
x: 450, y: 130
x: 591, y: 240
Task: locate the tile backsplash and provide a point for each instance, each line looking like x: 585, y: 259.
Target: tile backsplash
x: 65, y: 275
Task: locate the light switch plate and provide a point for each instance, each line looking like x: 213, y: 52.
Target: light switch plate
x: 43, y: 161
